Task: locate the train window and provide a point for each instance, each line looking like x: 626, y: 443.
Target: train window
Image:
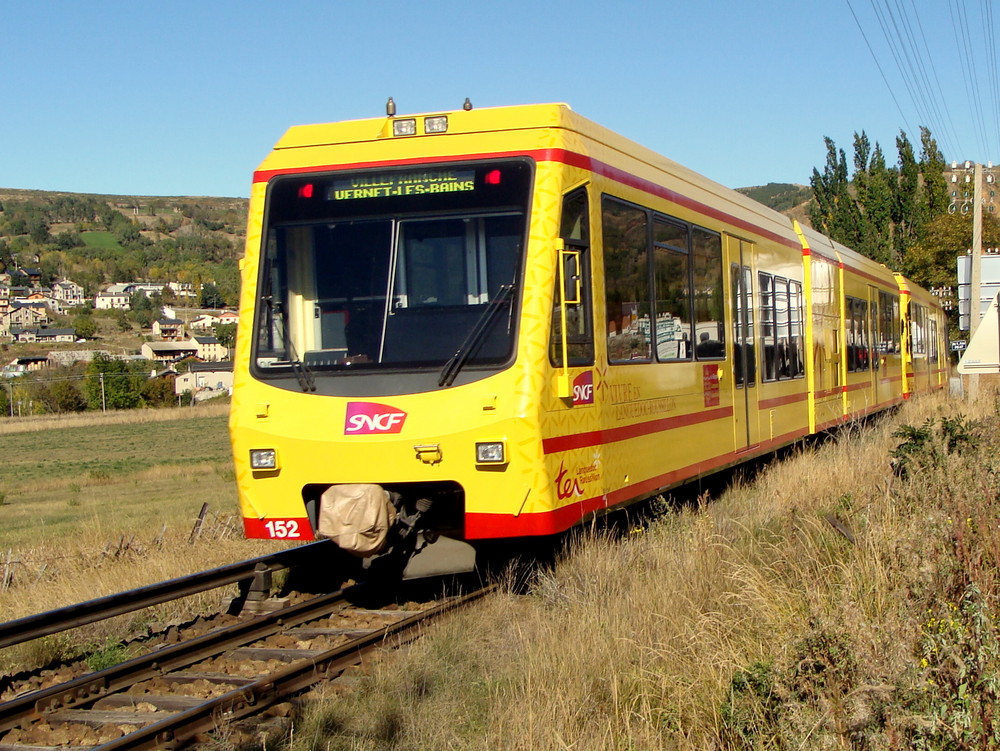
x: 796, y: 344
x: 888, y: 329
x: 857, y: 334
x: 575, y: 221
x: 918, y: 323
x: 781, y: 327
x: 672, y: 290
x: 388, y: 269
x: 575, y: 232
x: 706, y: 262
x: 744, y: 357
x: 626, y: 281
x: 769, y: 353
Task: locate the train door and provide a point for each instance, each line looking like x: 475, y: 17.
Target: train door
x: 871, y: 347
x: 744, y: 352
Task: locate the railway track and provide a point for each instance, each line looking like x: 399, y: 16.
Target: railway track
x: 179, y: 691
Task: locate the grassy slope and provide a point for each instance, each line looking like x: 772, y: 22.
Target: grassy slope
x: 748, y: 623
x: 96, y: 504
x: 129, y: 475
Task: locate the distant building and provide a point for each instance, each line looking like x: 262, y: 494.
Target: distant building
x: 112, y: 301
x: 169, y: 329
x: 68, y: 292
x: 206, y: 379
x: 168, y: 351
x: 205, y: 321
x: 42, y: 334
x: 209, y: 348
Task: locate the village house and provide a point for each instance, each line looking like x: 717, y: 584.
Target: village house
x: 182, y: 289
x: 206, y: 379
x: 23, y: 315
x: 228, y: 316
x: 209, y: 348
x: 112, y: 301
x: 21, y: 365
x: 27, y: 277
x: 67, y: 292
x: 42, y: 296
x: 168, y: 351
x: 205, y: 321
x: 169, y: 329
x: 42, y: 334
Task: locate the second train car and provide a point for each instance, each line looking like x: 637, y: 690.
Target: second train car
x: 497, y: 323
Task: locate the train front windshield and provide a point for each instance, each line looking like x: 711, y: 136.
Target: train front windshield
x: 392, y: 269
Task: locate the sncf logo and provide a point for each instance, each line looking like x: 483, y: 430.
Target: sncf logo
x: 583, y: 388
x: 365, y: 418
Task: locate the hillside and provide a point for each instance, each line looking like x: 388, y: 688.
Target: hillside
x: 97, y: 240
x: 791, y: 200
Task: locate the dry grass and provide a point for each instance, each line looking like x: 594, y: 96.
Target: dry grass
x: 10, y: 425
x: 92, y: 505
x: 751, y: 622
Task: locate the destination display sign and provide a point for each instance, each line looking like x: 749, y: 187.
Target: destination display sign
x: 392, y: 184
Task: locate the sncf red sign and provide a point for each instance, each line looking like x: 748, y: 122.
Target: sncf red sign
x: 365, y: 418
x: 583, y: 388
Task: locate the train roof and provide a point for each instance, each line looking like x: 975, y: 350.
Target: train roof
x: 515, y: 118
x: 614, y: 147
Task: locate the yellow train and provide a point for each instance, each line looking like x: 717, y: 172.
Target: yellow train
x: 497, y: 323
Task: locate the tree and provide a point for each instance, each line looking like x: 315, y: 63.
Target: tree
x: 84, y: 326
x: 63, y: 396
x: 882, y: 211
x: 110, y: 383
x: 833, y: 210
x: 226, y: 334
x: 931, y: 262
x: 211, y: 297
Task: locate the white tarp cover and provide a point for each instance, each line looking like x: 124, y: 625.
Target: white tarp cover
x: 356, y: 517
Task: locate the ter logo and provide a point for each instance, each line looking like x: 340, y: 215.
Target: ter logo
x: 365, y: 418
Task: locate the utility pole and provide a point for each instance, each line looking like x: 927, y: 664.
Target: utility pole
x: 977, y: 267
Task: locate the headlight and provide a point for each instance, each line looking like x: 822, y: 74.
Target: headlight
x: 436, y: 124
x: 263, y: 459
x: 407, y: 127
x: 491, y: 453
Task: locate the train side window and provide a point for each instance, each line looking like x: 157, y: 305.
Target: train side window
x: 781, y: 329
x: 769, y: 355
x: 888, y: 313
x: 672, y: 289
x: 744, y: 358
x: 917, y: 318
x: 796, y: 363
x: 575, y: 232
x: 861, y: 320
x: 857, y: 338
x: 626, y: 281
x: 709, y: 297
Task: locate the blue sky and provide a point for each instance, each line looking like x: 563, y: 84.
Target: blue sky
x: 186, y: 98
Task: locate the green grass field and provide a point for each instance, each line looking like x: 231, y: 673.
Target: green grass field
x: 100, y: 240
x: 126, y: 476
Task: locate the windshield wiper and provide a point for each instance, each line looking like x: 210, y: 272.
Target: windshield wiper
x: 302, y: 372
x: 476, y: 335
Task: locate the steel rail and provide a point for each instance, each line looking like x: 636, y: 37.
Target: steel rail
x: 252, y: 698
x: 93, y: 686
x: 62, y: 619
